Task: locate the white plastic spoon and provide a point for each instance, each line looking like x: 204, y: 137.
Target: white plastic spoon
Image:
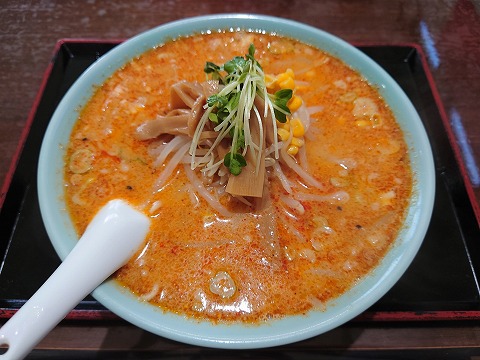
x: 109, y: 241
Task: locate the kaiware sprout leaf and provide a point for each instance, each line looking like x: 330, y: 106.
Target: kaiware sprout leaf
x: 280, y: 101
x: 218, y: 101
x: 234, y: 162
x: 237, y: 63
x: 251, y: 51
x: 213, y: 118
x: 283, y: 95
x: 211, y: 67
x: 251, y: 55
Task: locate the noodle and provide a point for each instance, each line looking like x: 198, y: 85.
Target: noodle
x: 203, y: 192
x: 170, y: 167
x: 175, y: 144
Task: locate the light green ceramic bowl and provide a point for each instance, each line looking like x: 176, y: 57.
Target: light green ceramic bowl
x: 239, y: 336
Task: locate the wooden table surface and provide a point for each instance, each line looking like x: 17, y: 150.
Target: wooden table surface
x: 448, y: 31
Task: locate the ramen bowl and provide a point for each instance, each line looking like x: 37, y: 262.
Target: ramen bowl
x: 237, y: 335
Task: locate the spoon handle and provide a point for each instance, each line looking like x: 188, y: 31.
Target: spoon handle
x: 109, y: 241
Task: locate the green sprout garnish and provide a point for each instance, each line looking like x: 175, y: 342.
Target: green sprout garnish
x: 234, y: 162
x: 280, y: 99
x: 230, y: 109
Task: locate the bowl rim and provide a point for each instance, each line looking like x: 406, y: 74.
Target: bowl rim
x: 241, y: 336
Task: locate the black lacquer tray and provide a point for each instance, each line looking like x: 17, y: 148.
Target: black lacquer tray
x: 440, y: 284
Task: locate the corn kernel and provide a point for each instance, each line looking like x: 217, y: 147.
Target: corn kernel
x: 294, y: 103
x: 297, y: 127
x: 297, y: 142
x: 285, y: 125
x: 269, y: 78
x: 270, y: 81
x: 288, y: 83
x: 292, y: 150
x: 282, y: 77
x: 290, y: 73
x: 284, y: 134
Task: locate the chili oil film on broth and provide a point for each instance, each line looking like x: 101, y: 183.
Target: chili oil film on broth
x: 275, y: 175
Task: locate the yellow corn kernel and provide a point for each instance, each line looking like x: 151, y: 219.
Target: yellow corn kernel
x: 362, y: 123
x: 273, y: 88
x: 269, y: 78
x: 281, y: 77
x: 270, y: 81
x: 290, y: 73
x: 297, y: 142
x: 292, y: 150
x: 283, y: 134
x: 285, y: 125
x: 297, y: 127
x: 287, y: 74
x: 294, y: 103
x: 288, y: 83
